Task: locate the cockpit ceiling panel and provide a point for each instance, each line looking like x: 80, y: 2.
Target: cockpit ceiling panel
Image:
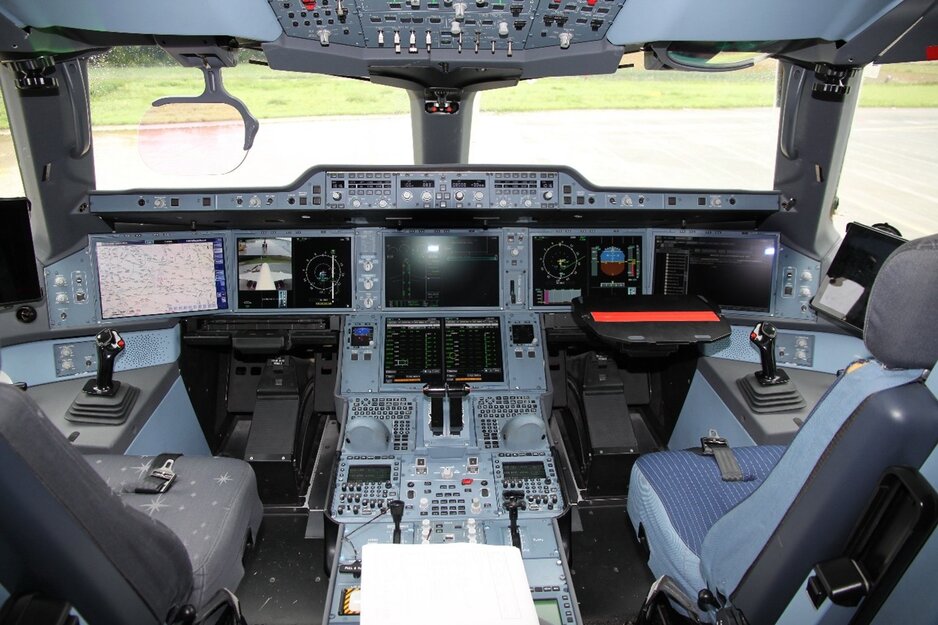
x: 641, y: 21
x: 245, y: 19
x: 524, y: 23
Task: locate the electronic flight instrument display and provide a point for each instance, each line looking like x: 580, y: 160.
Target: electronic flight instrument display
x: 294, y: 272
x: 456, y: 271
x: 566, y: 267
x: 434, y: 350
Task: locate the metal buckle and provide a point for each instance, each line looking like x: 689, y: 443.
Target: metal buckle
x: 166, y: 474
x: 708, y: 443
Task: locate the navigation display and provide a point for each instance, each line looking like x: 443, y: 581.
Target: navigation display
x: 142, y: 278
x: 441, y: 271
x: 294, y: 272
x: 565, y: 267
x: 732, y: 271
x: 435, y: 350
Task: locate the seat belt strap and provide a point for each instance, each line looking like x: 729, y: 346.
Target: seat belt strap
x: 726, y: 461
x: 161, y: 476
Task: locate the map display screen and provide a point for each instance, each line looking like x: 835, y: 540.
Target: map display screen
x: 139, y: 279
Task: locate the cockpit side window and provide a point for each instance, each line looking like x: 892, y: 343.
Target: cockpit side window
x: 889, y: 168
x: 11, y: 182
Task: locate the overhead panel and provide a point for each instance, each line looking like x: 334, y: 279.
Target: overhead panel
x: 417, y: 27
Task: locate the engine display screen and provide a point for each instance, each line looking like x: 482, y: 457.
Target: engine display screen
x: 143, y: 278
x: 516, y: 471
x: 565, y: 267
x: 459, y: 271
x: 362, y: 473
x: 294, y: 272
x: 733, y: 271
x: 472, y: 350
x: 413, y: 351
x: 435, y: 350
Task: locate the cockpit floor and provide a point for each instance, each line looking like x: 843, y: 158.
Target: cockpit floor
x: 609, y: 570
x: 284, y: 581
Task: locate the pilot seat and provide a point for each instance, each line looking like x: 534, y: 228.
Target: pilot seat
x: 83, y: 535
x: 752, y: 543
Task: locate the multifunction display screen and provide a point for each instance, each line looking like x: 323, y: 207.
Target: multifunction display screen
x: 459, y: 271
x: 294, y: 272
x: 438, y: 350
x: 565, y: 267
x: 517, y: 471
x: 363, y: 473
x: 734, y: 272
x: 142, y: 278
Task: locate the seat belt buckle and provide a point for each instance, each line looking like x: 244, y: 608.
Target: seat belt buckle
x: 165, y: 474
x: 709, y: 443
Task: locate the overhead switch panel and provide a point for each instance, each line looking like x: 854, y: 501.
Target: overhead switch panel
x: 500, y: 26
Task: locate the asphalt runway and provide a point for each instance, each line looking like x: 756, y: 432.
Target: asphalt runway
x: 889, y: 172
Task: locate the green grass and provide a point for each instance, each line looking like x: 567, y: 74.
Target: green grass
x: 122, y: 96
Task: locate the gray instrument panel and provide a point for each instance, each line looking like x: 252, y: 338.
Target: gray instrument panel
x: 456, y: 474
x: 418, y: 27
x: 332, y: 187
x: 72, y: 284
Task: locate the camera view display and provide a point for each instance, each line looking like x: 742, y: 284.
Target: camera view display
x: 294, y: 272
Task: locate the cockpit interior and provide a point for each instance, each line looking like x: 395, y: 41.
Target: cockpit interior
x: 488, y: 312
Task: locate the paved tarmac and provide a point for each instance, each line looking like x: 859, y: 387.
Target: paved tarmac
x: 889, y: 173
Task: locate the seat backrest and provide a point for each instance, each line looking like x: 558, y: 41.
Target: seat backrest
x: 64, y: 533
x: 875, y: 416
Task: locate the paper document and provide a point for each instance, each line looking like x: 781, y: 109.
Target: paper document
x: 456, y: 584
x: 840, y: 296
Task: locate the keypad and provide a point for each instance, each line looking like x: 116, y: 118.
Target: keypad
x: 493, y: 410
x: 397, y: 411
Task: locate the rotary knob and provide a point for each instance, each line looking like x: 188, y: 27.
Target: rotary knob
x: 368, y: 284
x: 427, y: 196
x: 407, y: 195
x: 459, y: 195
x: 368, y: 264
x: 336, y: 195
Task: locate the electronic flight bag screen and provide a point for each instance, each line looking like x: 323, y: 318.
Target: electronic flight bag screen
x: 456, y: 271
x: 565, y: 267
x: 735, y: 272
x: 294, y: 272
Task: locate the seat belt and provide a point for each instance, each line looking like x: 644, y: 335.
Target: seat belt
x: 161, y: 476
x: 716, y: 446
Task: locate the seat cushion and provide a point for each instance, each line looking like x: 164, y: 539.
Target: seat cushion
x: 213, y: 508
x: 677, y: 496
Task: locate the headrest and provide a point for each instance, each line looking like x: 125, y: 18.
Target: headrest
x: 901, y: 328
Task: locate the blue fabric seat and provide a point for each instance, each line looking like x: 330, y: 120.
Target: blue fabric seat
x: 754, y: 542
x: 681, y: 492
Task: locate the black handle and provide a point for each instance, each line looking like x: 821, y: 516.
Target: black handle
x: 108, y: 344
x: 763, y: 337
